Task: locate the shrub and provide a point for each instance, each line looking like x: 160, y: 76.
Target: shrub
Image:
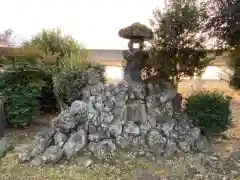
x: 68, y: 81
x: 21, y: 87
x: 210, y: 111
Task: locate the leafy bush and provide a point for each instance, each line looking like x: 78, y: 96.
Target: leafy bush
x: 33, y: 81
x: 21, y: 87
x: 210, y: 111
x: 68, y: 81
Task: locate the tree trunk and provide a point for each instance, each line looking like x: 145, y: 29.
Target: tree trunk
x: 2, y: 120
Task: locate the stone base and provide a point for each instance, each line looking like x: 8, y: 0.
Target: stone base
x: 135, y: 111
x: 124, y: 116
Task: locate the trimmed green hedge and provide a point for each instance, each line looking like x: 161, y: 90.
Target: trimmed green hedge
x: 210, y: 111
x: 21, y: 88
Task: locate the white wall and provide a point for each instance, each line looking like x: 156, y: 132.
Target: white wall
x: 114, y: 72
x: 211, y: 73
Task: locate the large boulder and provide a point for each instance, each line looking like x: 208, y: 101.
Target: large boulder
x: 156, y: 141
x: 103, y: 148
x: 41, y: 142
x: 75, y: 143
x: 52, y: 154
x: 60, y: 139
x: 4, y: 146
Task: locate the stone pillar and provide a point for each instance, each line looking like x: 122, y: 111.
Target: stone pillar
x: 135, y: 108
x: 2, y: 123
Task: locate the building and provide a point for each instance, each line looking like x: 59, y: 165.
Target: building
x: 113, y: 61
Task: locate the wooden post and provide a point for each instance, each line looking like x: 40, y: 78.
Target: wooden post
x: 2, y: 123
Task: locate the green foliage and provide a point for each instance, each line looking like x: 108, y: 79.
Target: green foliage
x: 68, y: 81
x: 210, y: 111
x: 178, y: 47
x: 234, y: 65
x: 20, y: 86
x: 55, y: 42
x: 47, y: 70
x: 223, y: 22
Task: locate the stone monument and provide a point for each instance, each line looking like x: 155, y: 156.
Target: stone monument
x: 135, y: 109
x: 130, y: 115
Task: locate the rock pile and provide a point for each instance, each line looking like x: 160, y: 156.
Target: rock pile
x: 131, y: 115
x: 108, y: 118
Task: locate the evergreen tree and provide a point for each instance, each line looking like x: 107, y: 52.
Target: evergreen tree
x: 178, y: 47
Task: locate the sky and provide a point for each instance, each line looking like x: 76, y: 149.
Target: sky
x: 94, y: 23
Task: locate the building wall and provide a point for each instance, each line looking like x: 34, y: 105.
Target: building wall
x: 216, y: 71
x: 114, y: 72
x: 211, y: 73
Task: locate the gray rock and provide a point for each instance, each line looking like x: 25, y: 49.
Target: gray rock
x: 95, y: 137
x: 119, y: 104
x: 99, y: 104
x: 42, y: 141
x: 94, y: 118
x: 130, y: 128
x: 167, y: 128
x: 4, y: 146
x: 60, y: 139
x: 110, y: 102
x: 115, y: 128
x: 85, y: 95
x: 106, y: 116
x: 200, y: 145
x: 152, y: 121
x: 65, y: 122
x: 139, y: 91
x: 104, y: 131
x: 92, y: 76
x: 75, y: 144
x: 24, y: 154
x: 183, y: 128
x: 97, y: 89
x: 78, y: 109
x: 144, y: 129
x: 37, y: 162
x: 136, y: 112
x: 195, y: 133
x: 92, y: 129
x: 103, y: 148
x: 163, y: 117
x: 52, y: 154
x: 84, y: 127
x: 138, y: 141
x: 185, y: 145
x: 170, y: 148
x: 83, y: 162
x: 169, y: 108
x: 156, y: 141
x: 92, y: 146
x: 122, y: 142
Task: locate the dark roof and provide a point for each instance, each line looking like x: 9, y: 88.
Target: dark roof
x: 105, y: 54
